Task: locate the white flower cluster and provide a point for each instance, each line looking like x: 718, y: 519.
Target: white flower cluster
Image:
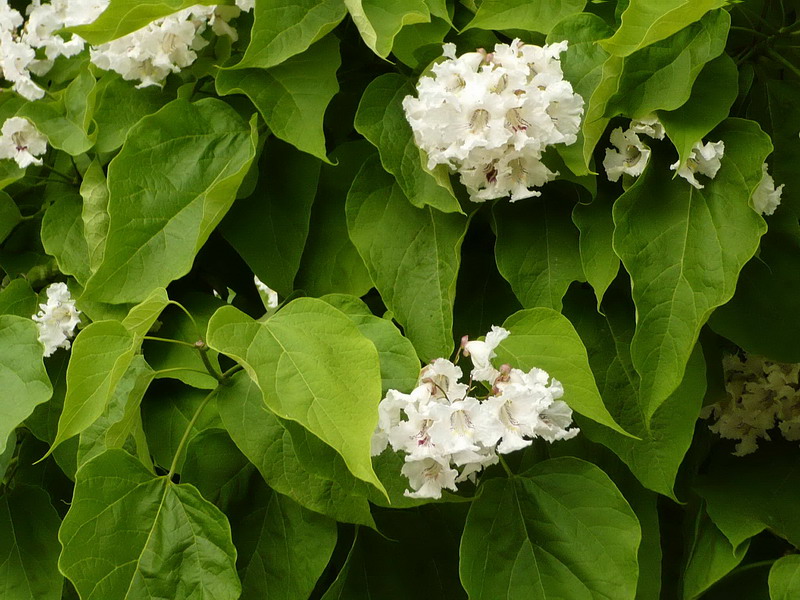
x: 630, y: 155
x: 22, y: 142
x: 490, y: 116
x: 166, y: 45
x: 57, y: 318
x: 20, y: 38
x: 442, y: 428
x: 762, y: 394
x: 149, y: 55
x: 766, y: 196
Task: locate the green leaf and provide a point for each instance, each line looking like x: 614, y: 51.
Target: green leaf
x: 63, y: 234
x: 94, y: 213
x: 23, y: 378
x: 283, y: 547
x: 268, y: 232
x: 656, y: 456
x: 379, y: 22
x: 660, y: 77
x: 262, y: 437
x: 420, y: 44
x: 784, y: 578
x: 536, y: 15
x: 712, y: 96
x: 119, y: 106
x: 599, y: 262
x: 292, y: 96
x: 412, y: 255
x: 314, y: 367
x: 100, y: 357
x: 170, y: 185
x: 9, y: 215
x: 121, y: 417
x: 121, y: 18
x: 142, y: 316
x: 763, y: 485
x: 129, y: 534
x: 29, y: 545
x: 543, y: 338
x: 399, y: 363
x: 18, y: 298
x: 285, y: 28
x: 381, y: 119
x: 537, y: 248
x: 559, y: 530
x: 594, y: 76
x: 709, y: 557
x: 330, y: 262
x: 667, y: 233
x: 645, y: 22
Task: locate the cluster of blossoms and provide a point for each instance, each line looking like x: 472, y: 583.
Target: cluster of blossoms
x: 630, y: 156
x: 29, y: 45
x: 762, y: 394
x: 442, y: 428
x: 57, y: 318
x: 167, y: 45
x: 490, y: 116
x: 22, y: 142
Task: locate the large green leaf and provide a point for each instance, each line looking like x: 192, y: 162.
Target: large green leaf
x: 9, y: 215
x: 543, y: 338
x: 284, y: 28
x: 599, y: 262
x: 331, y: 263
x: 536, y: 15
x: 269, y: 228
x: 129, y: 534
x: 379, y: 21
x: 667, y: 234
x: 711, y: 100
x: 23, y: 378
x: 382, y: 121
x: 708, y: 558
x: 283, y: 548
x: 262, y: 437
x: 420, y: 44
x: 314, y: 367
x: 101, y: 354
x: 123, y: 17
x: 29, y: 545
x: 645, y: 22
x: 18, y: 298
x: 537, y: 248
x: 94, y: 213
x: 560, y: 530
x: 292, y: 96
x: 399, y: 363
x: 656, y: 456
x: 412, y: 255
x: 173, y: 181
x: 594, y: 76
x: 660, y: 77
x: 784, y: 578
x: 63, y: 234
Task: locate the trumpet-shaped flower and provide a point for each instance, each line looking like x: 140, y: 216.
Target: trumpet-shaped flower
x: 57, y: 318
x: 705, y: 159
x: 629, y: 156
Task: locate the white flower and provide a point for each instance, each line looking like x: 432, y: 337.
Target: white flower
x: 246, y: 5
x: 57, y: 318
x: 442, y: 379
x: 766, y: 197
x: 490, y: 116
x: 481, y: 353
x: 631, y: 155
x: 705, y: 159
x: 428, y: 477
x: 268, y: 295
x: 463, y: 426
x: 649, y: 126
x: 21, y: 141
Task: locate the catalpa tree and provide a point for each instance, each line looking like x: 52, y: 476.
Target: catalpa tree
x: 344, y: 299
